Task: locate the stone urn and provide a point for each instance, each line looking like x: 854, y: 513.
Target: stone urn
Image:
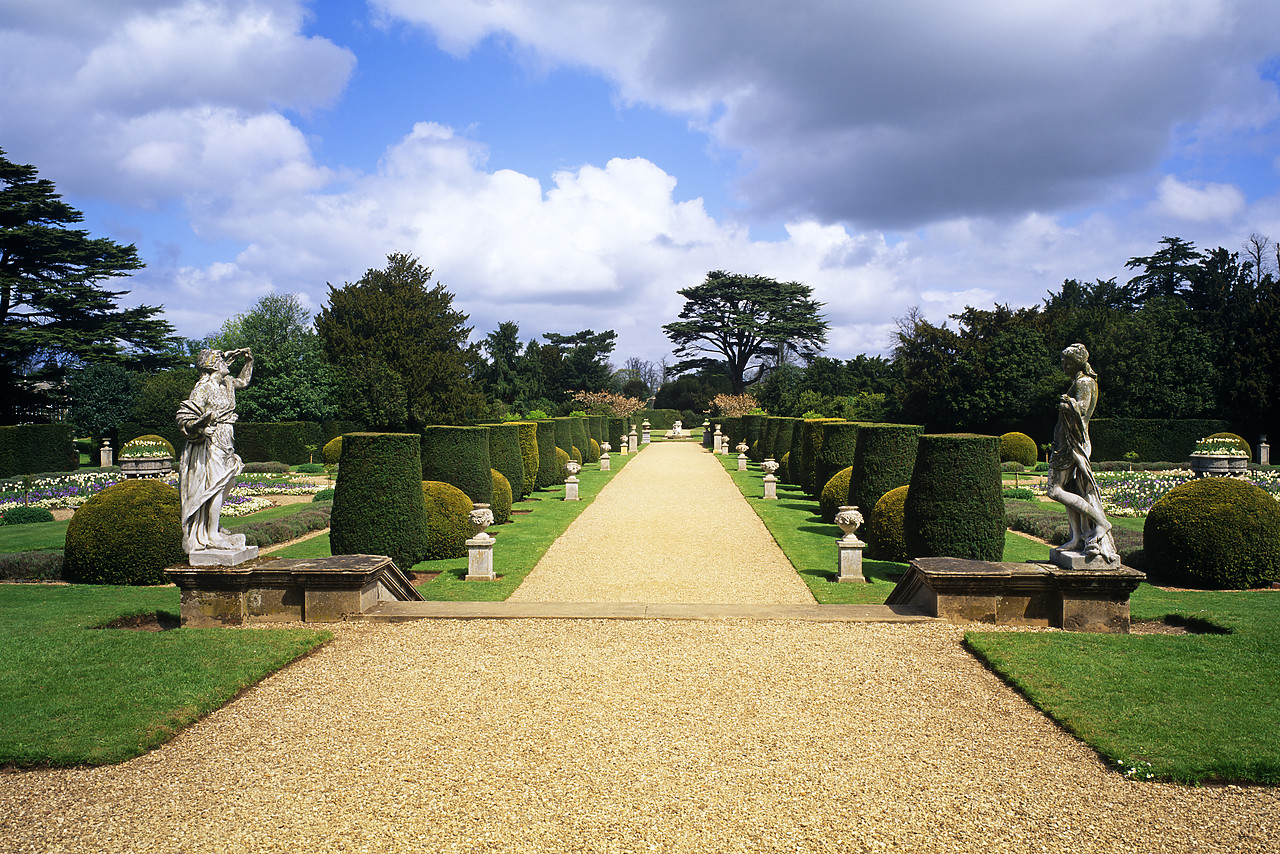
x: 481, y: 517
x: 1219, y: 465
x: 573, y: 467
x: 146, y: 466
x: 770, y: 466
x: 606, y: 447
x: 849, y: 519
x: 742, y: 447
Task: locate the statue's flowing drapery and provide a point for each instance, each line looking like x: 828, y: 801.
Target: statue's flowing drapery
x: 209, y: 462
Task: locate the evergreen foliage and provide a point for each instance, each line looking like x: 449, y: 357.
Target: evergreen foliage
x: 448, y: 520
x: 126, y: 534
x: 885, y: 532
x: 768, y: 439
x: 834, y: 495
x: 1018, y: 448
x: 460, y: 456
x: 581, y: 440
x: 333, y: 451
x: 34, y: 448
x: 885, y: 457
x: 501, y: 503
x: 505, y: 454
x: 530, y: 457
x: 1215, y: 533
x: 1154, y: 439
x: 547, y: 468
x: 954, y: 507
x: 836, y: 449
x: 753, y: 430
x: 278, y: 441
x: 564, y: 436
x: 377, y: 506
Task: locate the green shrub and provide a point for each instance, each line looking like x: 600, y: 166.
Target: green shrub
x: 784, y: 466
x: 886, y: 537
x: 460, y: 456
x: 753, y: 431
x: 448, y: 512
x: 26, y: 515
x: 127, y: 430
x: 126, y: 534
x: 597, y: 427
x: 768, y: 438
x: 530, y: 457
x: 660, y: 420
x: 834, y: 451
x: 1151, y: 438
x: 564, y: 435
x: 595, y: 449
x: 310, y: 468
x: 280, y: 441
x: 618, y: 427
x: 1235, y: 439
x: 324, y: 495
x: 377, y: 508
x: 31, y: 448
x: 1018, y: 493
x: 333, y: 451
x: 885, y: 457
x: 582, y: 441
x: 576, y: 454
x: 501, y: 504
x: 834, y: 494
x: 954, y: 507
x: 1019, y: 448
x: 1012, y: 466
x: 145, y: 446
x: 505, y: 454
x: 44, y: 565
x: 266, y: 468
x: 547, y: 471
x: 810, y: 449
x: 1216, y: 533
x: 562, y: 460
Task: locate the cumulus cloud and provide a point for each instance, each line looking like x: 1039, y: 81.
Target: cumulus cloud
x: 897, y: 114
x: 1199, y: 202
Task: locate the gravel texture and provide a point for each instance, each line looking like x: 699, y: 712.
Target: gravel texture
x: 670, y: 527
x: 604, y: 736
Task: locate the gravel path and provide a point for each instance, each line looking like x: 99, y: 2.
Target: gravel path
x: 602, y: 736
x: 670, y: 527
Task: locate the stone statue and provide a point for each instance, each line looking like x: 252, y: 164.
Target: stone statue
x: 1071, y: 479
x: 209, y: 465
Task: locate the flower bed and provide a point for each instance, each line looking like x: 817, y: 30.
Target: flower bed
x: 72, y: 490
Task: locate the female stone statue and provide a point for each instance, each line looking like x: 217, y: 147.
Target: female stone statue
x: 1071, y: 479
x: 209, y: 462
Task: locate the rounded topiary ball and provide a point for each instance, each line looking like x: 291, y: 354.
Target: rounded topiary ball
x: 1215, y: 533
x: 835, y: 494
x: 1018, y: 448
x: 562, y: 460
x: 333, y: 451
x: 501, y: 502
x: 448, y: 520
x: 1237, y: 440
x: 126, y: 534
x: 885, y: 532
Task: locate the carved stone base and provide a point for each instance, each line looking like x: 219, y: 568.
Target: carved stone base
x: 223, y: 557
x: 1019, y: 594
x: 1077, y: 561
x: 480, y: 559
x: 318, y: 590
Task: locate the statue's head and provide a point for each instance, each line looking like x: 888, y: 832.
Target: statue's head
x: 209, y: 360
x: 1076, y: 358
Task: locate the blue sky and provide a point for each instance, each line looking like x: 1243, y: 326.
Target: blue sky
x: 570, y: 164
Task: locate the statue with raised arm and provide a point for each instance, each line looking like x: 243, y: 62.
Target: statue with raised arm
x: 1071, y: 480
x: 209, y: 465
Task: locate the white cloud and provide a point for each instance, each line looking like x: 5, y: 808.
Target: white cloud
x: 1197, y: 202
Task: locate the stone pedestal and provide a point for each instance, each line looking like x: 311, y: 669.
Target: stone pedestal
x: 571, y: 488
x: 770, y: 486
x: 480, y: 558
x: 742, y: 462
x: 634, y: 441
x: 849, y: 560
x: 104, y: 454
x: 318, y: 590
x: 604, y: 461
x: 1077, y: 560
x: 1264, y: 454
x: 622, y: 444
x: 717, y: 442
x: 646, y: 433
x: 1019, y: 594
x: 223, y: 557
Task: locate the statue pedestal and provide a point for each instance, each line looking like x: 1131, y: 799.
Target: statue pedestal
x: 1019, y: 594
x: 1077, y: 561
x: 222, y: 557
x: 849, y: 560
x: 480, y: 559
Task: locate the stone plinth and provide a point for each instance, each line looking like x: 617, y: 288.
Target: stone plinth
x: 1264, y: 454
x: 1078, y: 561
x: 1019, y: 594
x: 480, y: 558
x: 742, y: 462
x: 849, y: 560
x: 223, y: 557
x: 633, y: 441
x: 770, y: 486
x: 275, y: 590
x: 104, y: 454
x: 604, y: 462
x: 571, y: 488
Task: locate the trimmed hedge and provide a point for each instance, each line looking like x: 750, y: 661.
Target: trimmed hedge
x: 546, y: 453
x: 277, y: 441
x: 35, y: 448
x: 768, y: 437
x: 806, y: 465
x: 505, y: 454
x: 333, y: 428
x: 126, y: 534
x: 1018, y: 448
x: 564, y: 435
x: 1215, y: 532
x: 954, y: 507
x: 562, y: 460
x: 886, y: 536
x: 1152, y: 438
x: 836, y: 450
x: 530, y: 457
x: 501, y: 504
x: 782, y: 444
x: 885, y: 457
x: 581, y: 440
x: 448, y: 515
x: 731, y: 427
x: 618, y: 427
x: 834, y: 494
x: 794, y: 453
x: 377, y: 506
x: 660, y: 420
x: 285, y: 529
x: 460, y: 456
x: 332, y: 451
x: 753, y: 430
x: 22, y: 515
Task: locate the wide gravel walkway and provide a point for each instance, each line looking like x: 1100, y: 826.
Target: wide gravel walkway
x: 670, y: 527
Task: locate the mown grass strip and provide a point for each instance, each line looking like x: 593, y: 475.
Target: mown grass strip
x: 521, y: 543
x: 71, y: 694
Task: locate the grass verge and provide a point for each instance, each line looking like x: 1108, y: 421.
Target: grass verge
x: 520, y: 546
x: 72, y: 694
x: 1191, y: 708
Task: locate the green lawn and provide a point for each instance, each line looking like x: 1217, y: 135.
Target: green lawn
x: 73, y: 694
x: 521, y: 543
